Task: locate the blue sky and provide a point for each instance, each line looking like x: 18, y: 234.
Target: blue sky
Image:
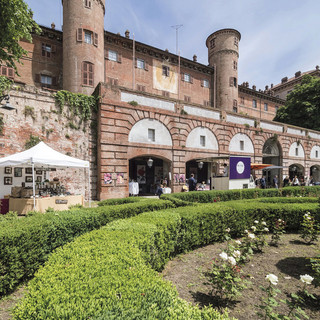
x: 278, y: 37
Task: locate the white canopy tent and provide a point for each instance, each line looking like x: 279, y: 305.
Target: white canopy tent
x: 42, y: 155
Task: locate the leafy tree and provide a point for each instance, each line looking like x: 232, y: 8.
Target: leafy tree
x: 16, y: 23
x: 302, y: 107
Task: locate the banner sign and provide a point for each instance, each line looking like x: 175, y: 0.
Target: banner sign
x: 240, y: 168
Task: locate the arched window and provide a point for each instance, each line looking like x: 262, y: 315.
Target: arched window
x: 87, y: 73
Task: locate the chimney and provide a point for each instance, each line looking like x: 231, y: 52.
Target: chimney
x: 297, y: 74
x: 254, y: 88
x: 271, y: 85
x: 53, y: 26
x: 247, y: 84
x: 317, y: 67
x: 195, y: 58
x: 284, y: 80
x: 127, y: 34
x: 267, y: 87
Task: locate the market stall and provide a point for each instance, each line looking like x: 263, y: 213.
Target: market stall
x: 41, y: 195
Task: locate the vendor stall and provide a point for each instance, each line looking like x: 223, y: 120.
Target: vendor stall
x: 41, y: 157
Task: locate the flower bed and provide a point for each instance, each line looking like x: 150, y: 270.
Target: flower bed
x: 110, y: 273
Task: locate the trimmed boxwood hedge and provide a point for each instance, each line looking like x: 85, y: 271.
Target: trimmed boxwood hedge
x: 227, y: 195
x: 117, y: 201
x: 26, y: 243
x: 110, y: 273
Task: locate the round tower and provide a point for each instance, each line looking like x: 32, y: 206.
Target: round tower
x: 223, y: 54
x: 83, y: 44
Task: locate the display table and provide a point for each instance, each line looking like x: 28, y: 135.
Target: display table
x: 23, y: 205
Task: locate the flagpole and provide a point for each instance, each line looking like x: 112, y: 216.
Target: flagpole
x: 133, y: 63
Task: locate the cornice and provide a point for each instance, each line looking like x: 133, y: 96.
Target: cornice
x: 260, y: 94
x: 50, y: 33
x: 118, y: 40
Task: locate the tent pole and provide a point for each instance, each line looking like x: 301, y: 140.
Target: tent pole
x: 89, y: 187
x: 33, y: 188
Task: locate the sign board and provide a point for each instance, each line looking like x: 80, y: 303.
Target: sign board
x: 60, y: 201
x: 240, y: 168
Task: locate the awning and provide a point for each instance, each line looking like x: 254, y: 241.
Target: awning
x: 259, y: 166
x: 273, y: 167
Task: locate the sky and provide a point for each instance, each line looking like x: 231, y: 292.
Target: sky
x: 278, y: 38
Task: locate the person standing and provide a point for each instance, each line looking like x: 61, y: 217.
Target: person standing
x: 192, y: 182
x: 286, y: 181
x: 263, y: 182
x: 295, y: 181
x: 275, y: 181
x: 225, y: 170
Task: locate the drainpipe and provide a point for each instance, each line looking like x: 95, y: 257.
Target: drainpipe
x: 214, y: 86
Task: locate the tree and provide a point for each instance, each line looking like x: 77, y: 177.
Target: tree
x: 302, y: 107
x: 16, y: 23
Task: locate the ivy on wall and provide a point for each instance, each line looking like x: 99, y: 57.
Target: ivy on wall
x: 5, y: 85
x: 33, y: 140
x: 78, y: 104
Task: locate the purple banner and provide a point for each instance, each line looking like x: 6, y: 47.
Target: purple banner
x: 240, y: 168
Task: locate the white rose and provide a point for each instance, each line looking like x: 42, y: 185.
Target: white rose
x: 263, y: 223
x: 266, y: 229
x: 223, y: 256
x: 246, y: 231
x: 256, y: 221
x: 253, y: 228
x: 238, y: 242
x: 232, y: 261
x: 279, y: 220
x: 236, y: 253
x: 228, y: 230
x: 273, y: 279
x: 306, y: 279
x: 251, y: 236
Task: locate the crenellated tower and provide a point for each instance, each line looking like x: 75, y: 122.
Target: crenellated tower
x: 83, y: 44
x: 223, y: 54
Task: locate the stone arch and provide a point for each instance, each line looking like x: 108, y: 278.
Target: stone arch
x: 150, y: 131
x: 202, y: 138
x: 296, y: 150
x: 241, y: 143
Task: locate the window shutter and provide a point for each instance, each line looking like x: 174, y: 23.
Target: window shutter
x: 191, y: 79
x: 146, y: 66
x: 37, y: 78
x: 182, y: 76
x: 119, y: 58
x: 202, y: 83
x: 135, y: 62
x: 53, y: 48
x: 79, y: 34
x: 3, y: 70
x: 54, y: 81
x: 96, y: 39
x: 231, y: 81
x: 10, y: 73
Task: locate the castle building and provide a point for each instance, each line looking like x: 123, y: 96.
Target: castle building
x: 160, y: 115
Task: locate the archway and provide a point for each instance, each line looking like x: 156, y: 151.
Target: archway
x: 272, y: 154
x: 296, y: 169
x: 201, y: 171
x: 149, y: 172
x: 315, y: 174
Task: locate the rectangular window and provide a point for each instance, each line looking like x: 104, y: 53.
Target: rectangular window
x: 46, y: 80
x: 202, y: 141
x: 242, y: 100
x: 187, y: 99
x: 87, y: 4
x: 235, y: 109
x: 141, y: 88
x: 87, y: 74
x: 113, y: 81
x: 241, y: 145
x: 205, y: 83
x: 186, y: 77
x: 235, y: 65
x: 233, y: 82
x: 165, y: 71
x: 254, y: 103
x: 265, y: 107
x: 297, y: 151
x: 112, y: 55
x: 236, y: 41
x: 87, y: 36
x: 166, y: 94
x: 46, y: 50
x: 7, y: 72
x: 206, y: 103
x: 151, y: 135
x: 317, y: 154
x: 277, y: 108
x: 140, y: 64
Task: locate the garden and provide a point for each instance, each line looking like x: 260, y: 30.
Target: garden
x: 112, y: 262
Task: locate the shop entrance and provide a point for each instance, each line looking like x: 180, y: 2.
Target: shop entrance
x: 200, y: 170
x: 149, y: 172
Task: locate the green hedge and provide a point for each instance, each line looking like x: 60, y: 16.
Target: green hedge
x: 110, y: 273
x: 227, y: 195
x: 26, y: 243
x: 117, y: 201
